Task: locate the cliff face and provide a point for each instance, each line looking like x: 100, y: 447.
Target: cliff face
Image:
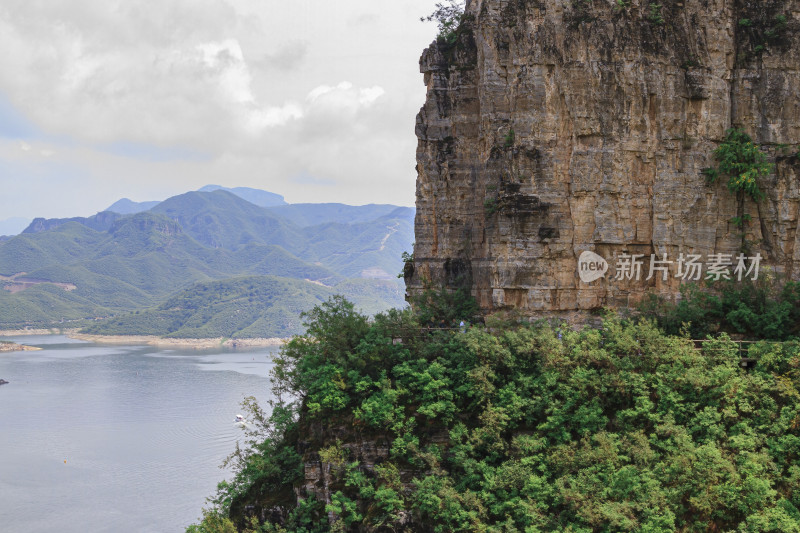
x: 555, y: 127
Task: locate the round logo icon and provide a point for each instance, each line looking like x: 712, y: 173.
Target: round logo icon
x: 591, y: 267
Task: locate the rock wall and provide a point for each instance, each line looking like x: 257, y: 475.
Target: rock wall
x: 555, y: 127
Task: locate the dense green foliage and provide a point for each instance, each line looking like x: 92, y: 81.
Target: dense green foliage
x: 143, y: 259
x: 762, y: 309
x: 518, y: 428
x: 43, y: 302
x: 742, y: 162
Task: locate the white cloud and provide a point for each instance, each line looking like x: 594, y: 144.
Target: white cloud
x: 368, y: 96
x: 29, y: 149
x: 338, y: 107
x: 261, y: 118
x: 322, y: 90
x: 225, y: 61
x: 323, y: 100
x: 344, y: 96
x: 254, y: 86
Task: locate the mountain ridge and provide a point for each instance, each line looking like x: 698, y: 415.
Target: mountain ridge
x: 258, y: 197
x: 117, y: 263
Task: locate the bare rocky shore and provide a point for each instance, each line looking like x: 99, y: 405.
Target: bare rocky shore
x: 33, y: 331
x: 14, y: 347
x: 199, y: 344
x: 153, y: 340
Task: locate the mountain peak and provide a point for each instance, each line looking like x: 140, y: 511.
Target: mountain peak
x: 126, y: 206
x: 254, y: 196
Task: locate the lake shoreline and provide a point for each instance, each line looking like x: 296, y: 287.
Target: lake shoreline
x: 36, y: 331
x: 152, y: 340
x: 200, y: 344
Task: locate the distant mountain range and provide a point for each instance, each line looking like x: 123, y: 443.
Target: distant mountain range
x: 126, y: 206
x: 124, y: 270
x: 254, y: 196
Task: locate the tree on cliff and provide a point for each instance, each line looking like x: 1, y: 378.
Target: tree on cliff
x: 448, y: 16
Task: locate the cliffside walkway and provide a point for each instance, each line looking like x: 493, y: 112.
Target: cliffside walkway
x: 743, y: 346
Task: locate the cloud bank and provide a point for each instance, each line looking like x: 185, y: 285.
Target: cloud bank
x: 153, y: 98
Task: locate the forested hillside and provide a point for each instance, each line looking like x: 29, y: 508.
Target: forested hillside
x: 111, y: 264
x: 394, y: 425
x: 245, y: 307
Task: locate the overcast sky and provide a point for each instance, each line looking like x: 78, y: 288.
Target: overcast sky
x: 104, y: 99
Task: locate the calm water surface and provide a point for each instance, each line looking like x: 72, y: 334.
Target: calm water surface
x: 143, y: 431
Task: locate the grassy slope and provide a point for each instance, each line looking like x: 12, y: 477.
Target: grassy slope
x: 245, y: 307
x: 29, y: 251
x: 368, y: 245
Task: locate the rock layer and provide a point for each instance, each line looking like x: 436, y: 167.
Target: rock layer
x: 555, y: 127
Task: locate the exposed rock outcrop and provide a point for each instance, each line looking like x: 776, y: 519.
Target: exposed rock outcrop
x: 14, y: 347
x: 102, y: 221
x: 553, y: 127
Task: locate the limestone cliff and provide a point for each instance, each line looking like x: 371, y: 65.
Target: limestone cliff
x: 552, y: 127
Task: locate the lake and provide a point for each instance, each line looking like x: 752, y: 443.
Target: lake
x: 118, y: 438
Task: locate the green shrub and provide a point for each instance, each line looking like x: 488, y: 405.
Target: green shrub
x: 764, y: 309
x: 742, y: 162
x: 443, y: 307
x: 654, y: 14
x: 739, y: 222
x: 213, y: 522
x: 448, y: 17
x: 408, y: 263
x: 508, y: 141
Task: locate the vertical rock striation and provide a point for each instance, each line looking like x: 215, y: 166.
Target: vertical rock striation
x: 553, y: 127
